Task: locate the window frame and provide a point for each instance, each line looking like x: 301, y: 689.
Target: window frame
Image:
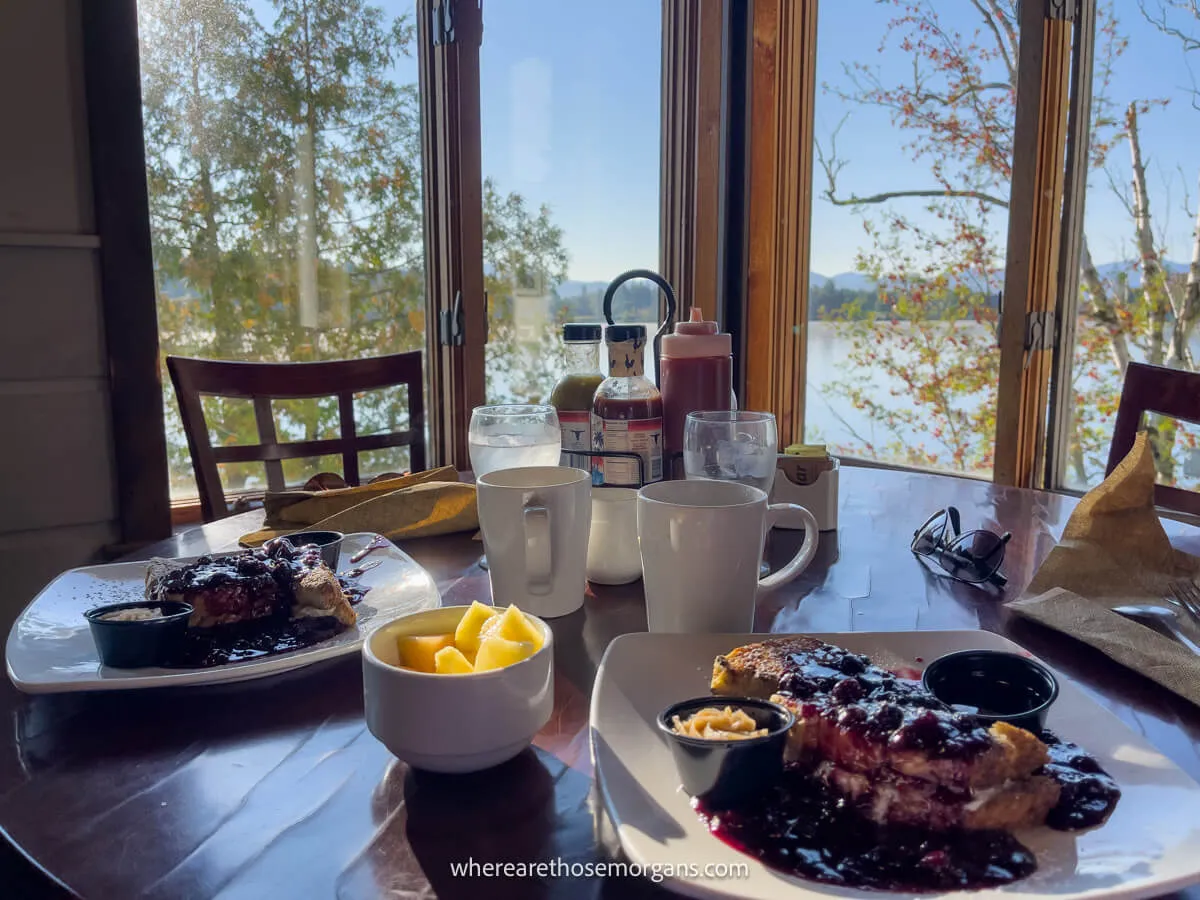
x: 769, y: 306
x: 452, y: 184
x: 1060, y: 411
x: 128, y: 298
x: 453, y: 207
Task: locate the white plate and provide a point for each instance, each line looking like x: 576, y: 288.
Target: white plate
x: 1150, y: 845
x: 50, y: 648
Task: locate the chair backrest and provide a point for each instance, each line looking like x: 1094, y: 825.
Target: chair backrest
x: 1169, y: 392
x: 264, y: 382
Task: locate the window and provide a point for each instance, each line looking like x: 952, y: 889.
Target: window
x: 570, y: 106
x: 1138, y: 298
x: 284, y: 171
x: 914, y: 126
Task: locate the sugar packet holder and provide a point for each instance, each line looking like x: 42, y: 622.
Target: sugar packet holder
x: 819, y: 496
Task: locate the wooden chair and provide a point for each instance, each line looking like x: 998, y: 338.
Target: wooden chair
x: 1169, y: 392
x: 263, y: 382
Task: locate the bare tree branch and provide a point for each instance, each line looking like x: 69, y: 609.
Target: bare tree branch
x: 992, y: 16
x: 969, y: 91
x: 1102, y: 309
x: 832, y: 166
x: 1120, y: 191
x: 1162, y: 22
x: 855, y: 200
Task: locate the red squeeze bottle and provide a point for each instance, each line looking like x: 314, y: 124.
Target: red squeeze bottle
x: 696, y: 373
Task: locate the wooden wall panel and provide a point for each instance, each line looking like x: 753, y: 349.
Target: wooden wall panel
x: 60, y: 474
x: 779, y: 199
x: 45, y: 186
x: 31, y: 559
x: 54, y: 295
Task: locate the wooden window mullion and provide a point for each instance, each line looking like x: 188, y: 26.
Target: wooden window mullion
x: 782, y: 86
x: 692, y: 176
x: 1062, y: 395
x: 1034, y: 229
x: 453, y: 208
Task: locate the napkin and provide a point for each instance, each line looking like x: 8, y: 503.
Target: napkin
x: 1135, y: 646
x: 1114, y: 551
x: 423, y: 504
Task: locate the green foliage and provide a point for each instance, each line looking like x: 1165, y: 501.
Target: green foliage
x: 929, y: 336
x: 283, y: 164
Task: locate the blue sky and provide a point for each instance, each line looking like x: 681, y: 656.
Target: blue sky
x: 1153, y: 66
x: 570, y: 100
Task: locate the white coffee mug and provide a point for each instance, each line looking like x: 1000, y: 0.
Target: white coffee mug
x: 613, y: 556
x: 701, y: 543
x: 535, y: 522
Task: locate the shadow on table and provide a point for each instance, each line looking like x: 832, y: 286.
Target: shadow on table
x: 437, y: 833
x: 65, y: 731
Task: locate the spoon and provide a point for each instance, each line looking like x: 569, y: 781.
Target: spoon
x: 1162, y: 617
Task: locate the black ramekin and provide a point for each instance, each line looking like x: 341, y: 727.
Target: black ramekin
x: 994, y: 685
x: 330, y: 543
x: 140, y: 642
x: 722, y: 772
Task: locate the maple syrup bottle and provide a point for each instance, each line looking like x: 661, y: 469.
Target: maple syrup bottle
x: 627, y: 412
x: 572, y: 396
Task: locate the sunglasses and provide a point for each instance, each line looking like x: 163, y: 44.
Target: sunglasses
x: 973, y: 558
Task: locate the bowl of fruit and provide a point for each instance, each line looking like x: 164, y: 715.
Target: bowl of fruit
x: 458, y: 688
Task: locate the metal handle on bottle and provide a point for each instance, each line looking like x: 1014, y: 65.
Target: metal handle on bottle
x: 667, y: 290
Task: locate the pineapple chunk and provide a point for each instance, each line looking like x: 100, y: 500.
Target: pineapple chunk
x: 497, y: 652
x: 466, y: 635
x: 513, y: 625
x: 450, y: 661
x: 417, y: 651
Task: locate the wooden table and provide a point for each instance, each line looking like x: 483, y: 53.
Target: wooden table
x: 276, y: 789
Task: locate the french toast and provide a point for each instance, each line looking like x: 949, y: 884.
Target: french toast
x: 277, y: 580
x: 899, y: 754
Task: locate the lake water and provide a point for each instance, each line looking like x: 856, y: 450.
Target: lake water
x: 831, y: 415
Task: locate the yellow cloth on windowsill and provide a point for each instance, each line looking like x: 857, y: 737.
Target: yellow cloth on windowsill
x: 423, y: 504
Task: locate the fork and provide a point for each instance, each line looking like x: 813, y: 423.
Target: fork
x: 1186, y: 595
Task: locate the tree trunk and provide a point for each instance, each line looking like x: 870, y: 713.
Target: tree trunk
x: 1153, y: 286
x: 1180, y: 355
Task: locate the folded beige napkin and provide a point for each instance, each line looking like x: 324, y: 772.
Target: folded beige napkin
x: 1159, y: 658
x: 423, y: 504
x: 1114, y: 552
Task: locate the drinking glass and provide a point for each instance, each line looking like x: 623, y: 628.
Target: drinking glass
x: 512, y: 437
x: 732, y: 445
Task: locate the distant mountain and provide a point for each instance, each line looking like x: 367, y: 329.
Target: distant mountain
x: 853, y: 281
x: 1133, y: 271
x: 569, y: 288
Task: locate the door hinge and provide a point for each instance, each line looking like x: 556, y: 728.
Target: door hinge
x: 451, y: 332
x: 443, y: 23
x: 1065, y: 10
x: 1041, y: 331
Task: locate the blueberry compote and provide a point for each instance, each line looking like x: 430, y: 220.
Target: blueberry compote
x: 267, y: 573
x: 1089, y: 794
x: 803, y: 827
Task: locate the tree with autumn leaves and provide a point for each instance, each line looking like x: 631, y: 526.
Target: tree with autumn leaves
x: 284, y: 174
x: 940, y: 271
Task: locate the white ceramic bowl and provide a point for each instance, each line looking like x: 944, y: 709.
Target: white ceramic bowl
x: 453, y: 723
